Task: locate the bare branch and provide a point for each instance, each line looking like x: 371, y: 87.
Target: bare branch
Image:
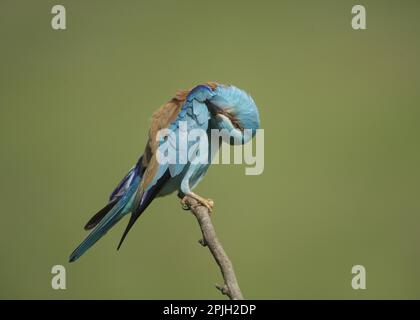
x: 230, y: 286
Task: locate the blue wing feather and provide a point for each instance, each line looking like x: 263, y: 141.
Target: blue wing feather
x: 196, y: 116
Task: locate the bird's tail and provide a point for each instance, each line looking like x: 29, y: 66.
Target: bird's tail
x: 118, y: 208
x: 124, y: 199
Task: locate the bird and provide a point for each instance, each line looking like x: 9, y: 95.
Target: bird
x: 206, y: 106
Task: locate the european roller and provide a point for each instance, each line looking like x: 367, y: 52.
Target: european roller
x: 207, y: 106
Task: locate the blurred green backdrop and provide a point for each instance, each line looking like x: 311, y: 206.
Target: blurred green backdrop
x: 340, y: 109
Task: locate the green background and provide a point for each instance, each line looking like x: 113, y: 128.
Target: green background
x: 340, y: 109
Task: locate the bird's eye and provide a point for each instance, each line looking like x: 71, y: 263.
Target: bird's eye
x: 235, y: 122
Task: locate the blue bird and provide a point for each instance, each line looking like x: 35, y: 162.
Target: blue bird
x: 207, y: 106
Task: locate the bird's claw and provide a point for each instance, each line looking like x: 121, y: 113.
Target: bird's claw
x: 208, y: 203
x: 184, y: 203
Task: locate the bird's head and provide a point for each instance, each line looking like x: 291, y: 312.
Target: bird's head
x: 234, y: 110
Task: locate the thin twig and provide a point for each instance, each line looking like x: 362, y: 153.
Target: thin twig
x: 230, y: 286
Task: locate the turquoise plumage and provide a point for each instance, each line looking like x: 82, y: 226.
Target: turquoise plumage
x: 205, y: 107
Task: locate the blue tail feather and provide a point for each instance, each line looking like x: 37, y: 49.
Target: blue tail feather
x: 120, y: 209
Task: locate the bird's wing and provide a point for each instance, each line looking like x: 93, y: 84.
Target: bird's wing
x: 188, y: 106
x: 194, y: 114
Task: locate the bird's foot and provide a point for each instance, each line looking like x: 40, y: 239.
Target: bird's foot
x: 208, y: 203
x: 184, y: 203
